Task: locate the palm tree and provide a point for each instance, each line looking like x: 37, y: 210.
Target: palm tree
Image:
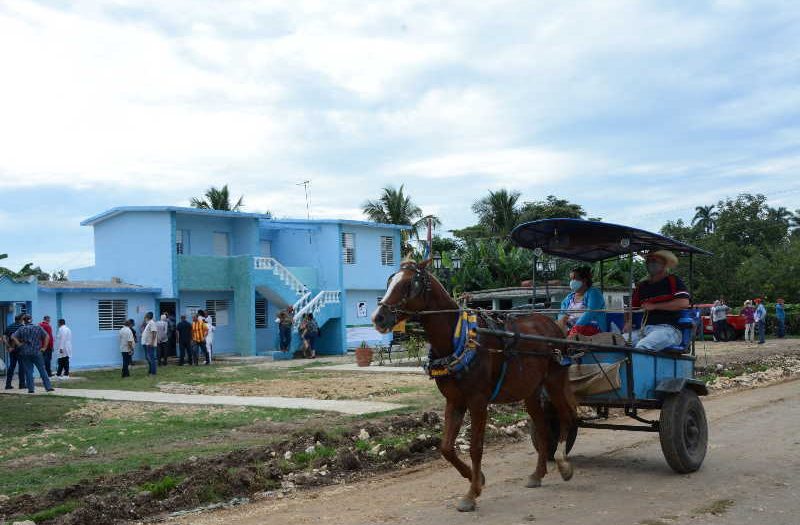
x: 217, y: 199
x: 498, y: 212
x: 395, y: 207
x: 705, y: 218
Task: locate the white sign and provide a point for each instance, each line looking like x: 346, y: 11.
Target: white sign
x: 361, y: 309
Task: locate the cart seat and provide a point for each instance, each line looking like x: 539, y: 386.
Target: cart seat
x: 686, y: 324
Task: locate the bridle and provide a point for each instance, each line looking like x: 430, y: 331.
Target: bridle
x: 420, y: 286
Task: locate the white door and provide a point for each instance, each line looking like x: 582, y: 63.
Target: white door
x: 221, y: 244
x: 266, y: 248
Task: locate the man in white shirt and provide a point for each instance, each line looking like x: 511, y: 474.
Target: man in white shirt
x: 210, y: 338
x: 63, y: 348
x: 162, y: 325
x: 126, y: 346
x: 150, y: 342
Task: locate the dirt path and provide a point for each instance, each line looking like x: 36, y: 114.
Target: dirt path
x: 343, y: 406
x: 751, y: 475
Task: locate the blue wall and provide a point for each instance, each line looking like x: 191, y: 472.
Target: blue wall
x: 368, y: 273
x: 242, y: 233
x: 225, y: 336
x: 136, y: 247
x: 91, y: 346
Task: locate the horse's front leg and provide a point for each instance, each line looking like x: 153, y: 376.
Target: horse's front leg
x: 478, y: 417
x: 453, y: 418
x: 539, y: 435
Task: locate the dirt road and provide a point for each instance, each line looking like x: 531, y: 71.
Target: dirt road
x: 751, y: 475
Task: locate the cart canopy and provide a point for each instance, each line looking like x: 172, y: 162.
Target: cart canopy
x: 593, y: 241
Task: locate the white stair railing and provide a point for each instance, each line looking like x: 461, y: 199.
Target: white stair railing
x: 316, y: 304
x: 282, y: 272
x: 300, y: 303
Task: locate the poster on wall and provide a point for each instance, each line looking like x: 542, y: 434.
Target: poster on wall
x: 361, y: 309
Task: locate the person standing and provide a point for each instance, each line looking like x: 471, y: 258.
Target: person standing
x: 748, y: 312
x: 760, y: 318
x: 63, y: 348
x: 13, y: 357
x: 172, y: 342
x: 150, y: 343
x: 719, y: 317
x: 285, y: 321
x: 127, y: 343
x: 183, y: 334
x: 309, y: 330
x: 31, y: 341
x: 780, y: 315
x: 162, y: 326
x: 210, y: 338
x: 48, y: 354
x: 199, y: 333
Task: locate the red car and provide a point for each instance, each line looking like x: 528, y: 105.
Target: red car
x: 733, y: 330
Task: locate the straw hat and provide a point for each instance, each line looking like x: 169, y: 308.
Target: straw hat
x: 667, y: 256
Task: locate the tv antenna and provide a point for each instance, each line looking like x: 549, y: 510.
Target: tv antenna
x: 305, y: 184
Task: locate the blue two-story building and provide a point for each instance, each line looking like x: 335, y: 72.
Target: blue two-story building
x: 241, y: 268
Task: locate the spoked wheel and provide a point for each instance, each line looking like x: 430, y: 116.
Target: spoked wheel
x: 553, y: 431
x: 683, y: 431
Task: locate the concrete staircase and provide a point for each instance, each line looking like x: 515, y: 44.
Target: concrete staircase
x: 324, y: 306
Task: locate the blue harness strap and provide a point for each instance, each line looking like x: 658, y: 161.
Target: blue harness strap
x: 500, y: 380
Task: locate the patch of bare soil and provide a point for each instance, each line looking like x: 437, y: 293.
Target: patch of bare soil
x: 732, y: 353
x: 331, y: 386
x: 97, y: 411
x: 303, y: 459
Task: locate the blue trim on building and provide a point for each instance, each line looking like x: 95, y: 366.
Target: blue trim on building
x: 100, y: 290
x: 175, y: 209
x: 278, y: 223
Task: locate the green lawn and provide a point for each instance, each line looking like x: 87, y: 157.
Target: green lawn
x: 41, y: 448
x: 218, y: 373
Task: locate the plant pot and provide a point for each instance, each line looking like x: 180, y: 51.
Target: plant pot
x: 364, y: 356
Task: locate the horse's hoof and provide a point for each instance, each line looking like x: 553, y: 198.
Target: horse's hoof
x: 533, y: 482
x: 466, y: 505
x: 483, y: 480
x: 565, y: 469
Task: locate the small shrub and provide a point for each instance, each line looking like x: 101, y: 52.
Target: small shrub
x: 160, y: 489
x: 53, y: 512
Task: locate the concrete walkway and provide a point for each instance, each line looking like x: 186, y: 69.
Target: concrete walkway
x: 343, y: 406
x: 373, y: 369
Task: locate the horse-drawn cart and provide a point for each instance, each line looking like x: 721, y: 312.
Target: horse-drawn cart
x: 636, y: 379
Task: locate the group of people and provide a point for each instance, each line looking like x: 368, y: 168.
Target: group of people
x: 755, y: 319
x: 32, y: 346
x: 308, y: 330
x: 160, y: 338
x: 662, y: 296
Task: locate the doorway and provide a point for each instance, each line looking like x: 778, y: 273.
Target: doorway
x: 171, y: 309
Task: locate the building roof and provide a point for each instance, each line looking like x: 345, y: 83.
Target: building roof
x: 95, y: 286
x: 347, y: 222
x: 113, y: 212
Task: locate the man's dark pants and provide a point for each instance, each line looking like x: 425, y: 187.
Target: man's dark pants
x: 29, y: 361
x: 13, y: 362
x: 48, y: 360
x: 163, y: 348
x: 201, y: 347
x: 126, y: 363
x: 719, y: 329
x: 285, y: 332
x: 185, y: 353
x: 761, y: 327
x: 781, y: 328
x: 63, y: 366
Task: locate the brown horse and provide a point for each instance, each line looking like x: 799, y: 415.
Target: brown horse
x: 411, y: 290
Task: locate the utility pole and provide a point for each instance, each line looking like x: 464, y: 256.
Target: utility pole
x: 305, y: 184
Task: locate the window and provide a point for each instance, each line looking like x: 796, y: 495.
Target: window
x: 265, y: 248
x: 111, y: 314
x: 348, y: 248
x: 218, y: 309
x: 221, y: 244
x: 387, y: 250
x: 181, y: 242
x: 261, y: 312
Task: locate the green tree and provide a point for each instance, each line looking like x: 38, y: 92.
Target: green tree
x: 551, y: 208
x: 705, y: 218
x: 217, y: 199
x: 395, y: 207
x: 28, y: 270
x: 497, y: 212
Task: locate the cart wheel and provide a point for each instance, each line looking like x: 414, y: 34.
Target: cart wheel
x: 553, y: 431
x: 683, y: 431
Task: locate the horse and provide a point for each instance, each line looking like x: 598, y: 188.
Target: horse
x: 529, y: 367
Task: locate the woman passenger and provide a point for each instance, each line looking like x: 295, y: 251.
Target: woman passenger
x: 579, y: 310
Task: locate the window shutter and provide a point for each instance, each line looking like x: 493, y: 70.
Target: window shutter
x: 215, y: 307
x: 261, y: 312
x: 387, y: 251
x: 348, y: 248
x: 111, y: 314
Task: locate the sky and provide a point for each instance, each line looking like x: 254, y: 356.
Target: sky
x: 639, y: 111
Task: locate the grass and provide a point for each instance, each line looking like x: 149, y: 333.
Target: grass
x: 160, y: 489
x: 53, y: 512
x: 303, y: 459
x: 35, y: 427
x: 717, y: 508
x: 188, y: 375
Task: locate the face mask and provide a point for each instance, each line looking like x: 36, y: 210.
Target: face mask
x: 575, y: 285
x: 654, y: 267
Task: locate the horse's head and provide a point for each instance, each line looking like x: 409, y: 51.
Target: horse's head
x: 406, y: 292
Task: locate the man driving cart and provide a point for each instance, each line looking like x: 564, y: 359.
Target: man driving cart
x: 662, y: 296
